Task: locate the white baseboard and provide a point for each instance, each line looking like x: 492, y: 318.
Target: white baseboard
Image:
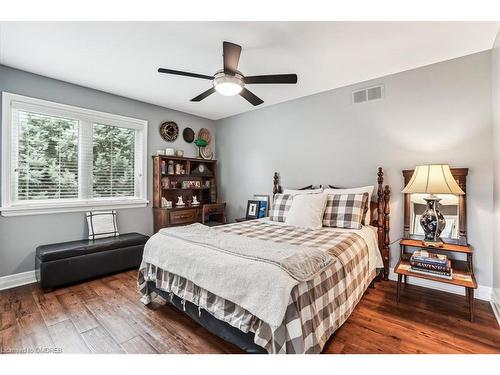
x: 18, y: 279
x: 482, y: 292
x: 495, y: 303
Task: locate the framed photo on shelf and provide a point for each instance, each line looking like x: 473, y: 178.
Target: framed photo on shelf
x: 264, y: 204
x: 253, y: 209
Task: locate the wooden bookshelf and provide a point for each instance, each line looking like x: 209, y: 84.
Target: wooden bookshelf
x: 172, y: 185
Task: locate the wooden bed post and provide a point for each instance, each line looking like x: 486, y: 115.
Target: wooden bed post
x: 383, y: 220
x: 276, y: 184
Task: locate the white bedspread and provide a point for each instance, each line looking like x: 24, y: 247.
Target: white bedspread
x: 245, y: 281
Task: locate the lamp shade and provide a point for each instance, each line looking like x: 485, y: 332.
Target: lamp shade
x: 433, y: 179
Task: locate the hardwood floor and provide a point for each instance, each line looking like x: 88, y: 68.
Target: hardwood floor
x: 106, y: 316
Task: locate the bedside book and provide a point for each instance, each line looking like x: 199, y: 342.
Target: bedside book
x: 428, y: 257
x: 431, y: 266
x: 443, y: 275
x: 407, y: 267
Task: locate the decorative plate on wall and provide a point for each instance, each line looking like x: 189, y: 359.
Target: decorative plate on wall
x: 206, y: 152
x: 169, y: 131
x: 188, y: 135
x: 205, y: 134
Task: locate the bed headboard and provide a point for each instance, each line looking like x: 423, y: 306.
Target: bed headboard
x: 381, y: 215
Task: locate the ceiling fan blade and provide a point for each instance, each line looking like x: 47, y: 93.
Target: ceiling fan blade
x: 251, y: 97
x: 187, y: 74
x: 203, y: 95
x: 272, y: 78
x: 231, y: 54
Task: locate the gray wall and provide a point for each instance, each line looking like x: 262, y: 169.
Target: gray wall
x: 20, y: 235
x: 495, y: 80
x: 435, y: 114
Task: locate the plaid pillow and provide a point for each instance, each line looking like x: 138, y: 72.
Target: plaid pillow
x: 345, y: 210
x: 281, y: 206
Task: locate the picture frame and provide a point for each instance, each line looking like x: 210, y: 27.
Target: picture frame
x: 264, y: 205
x: 252, y: 209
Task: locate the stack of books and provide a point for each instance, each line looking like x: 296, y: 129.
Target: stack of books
x: 427, y: 263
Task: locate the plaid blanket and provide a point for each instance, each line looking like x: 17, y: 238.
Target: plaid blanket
x: 316, y: 307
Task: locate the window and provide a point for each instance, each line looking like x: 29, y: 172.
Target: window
x: 58, y: 158
x: 113, y: 161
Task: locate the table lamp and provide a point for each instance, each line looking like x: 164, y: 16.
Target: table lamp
x: 433, y: 179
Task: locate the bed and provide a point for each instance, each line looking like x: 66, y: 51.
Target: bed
x: 224, y: 279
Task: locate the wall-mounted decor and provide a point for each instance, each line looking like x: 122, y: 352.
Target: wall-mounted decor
x: 169, y: 131
x: 206, y: 152
x: 188, y: 135
x: 204, y: 134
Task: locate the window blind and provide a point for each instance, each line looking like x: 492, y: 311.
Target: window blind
x: 113, y: 155
x: 61, y: 158
x: 46, y: 151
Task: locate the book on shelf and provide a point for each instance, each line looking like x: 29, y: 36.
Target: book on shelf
x: 425, y: 256
x: 431, y: 266
x: 422, y: 271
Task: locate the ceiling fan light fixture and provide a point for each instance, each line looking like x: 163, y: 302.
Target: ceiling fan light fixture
x: 229, y: 81
x: 228, y: 85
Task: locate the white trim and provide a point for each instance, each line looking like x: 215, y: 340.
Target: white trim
x: 73, y: 207
x: 83, y: 115
x: 495, y: 303
x: 18, y: 279
x: 482, y: 292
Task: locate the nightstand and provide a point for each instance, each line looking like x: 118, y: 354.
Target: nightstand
x: 463, y: 271
x: 241, y: 219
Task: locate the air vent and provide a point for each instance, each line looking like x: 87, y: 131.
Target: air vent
x: 368, y: 94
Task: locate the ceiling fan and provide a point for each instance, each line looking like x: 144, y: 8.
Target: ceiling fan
x: 229, y: 81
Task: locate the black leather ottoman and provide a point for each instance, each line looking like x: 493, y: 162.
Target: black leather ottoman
x: 69, y: 262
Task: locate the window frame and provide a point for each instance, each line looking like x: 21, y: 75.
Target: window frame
x: 86, y: 118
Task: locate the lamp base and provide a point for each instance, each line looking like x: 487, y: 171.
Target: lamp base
x: 432, y: 222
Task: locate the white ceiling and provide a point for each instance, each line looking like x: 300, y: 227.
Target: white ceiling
x: 123, y: 58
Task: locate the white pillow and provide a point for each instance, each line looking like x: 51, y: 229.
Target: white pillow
x: 302, y: 192
x: 363, y: 189
x: 102, y: 224
x: 307, y: 211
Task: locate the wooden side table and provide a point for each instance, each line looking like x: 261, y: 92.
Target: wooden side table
x: 463, y: 271
x: 241, y: 219
x: 213, y: 214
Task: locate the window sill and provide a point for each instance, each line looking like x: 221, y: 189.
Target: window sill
x: 44, y: 208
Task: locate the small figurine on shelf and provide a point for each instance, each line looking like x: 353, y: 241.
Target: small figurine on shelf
x: 163, y: 202
x: 180, y: 202
x: 178, y: 168
x: 195, y: 201
x: 170, y: 167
